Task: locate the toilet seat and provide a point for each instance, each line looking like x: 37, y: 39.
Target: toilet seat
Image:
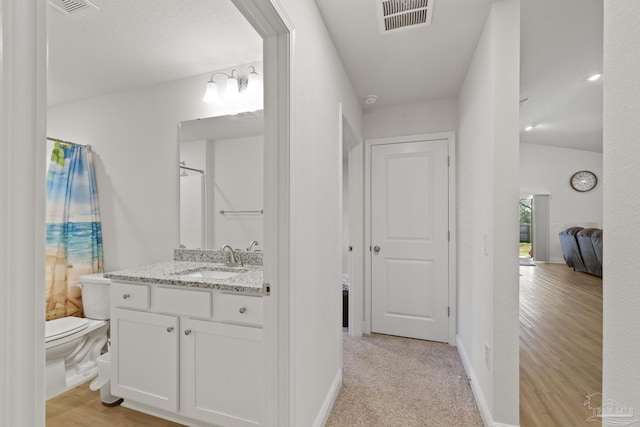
x: 60, y: 328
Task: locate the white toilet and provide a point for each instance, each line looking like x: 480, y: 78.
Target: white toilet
x: 73, y: 344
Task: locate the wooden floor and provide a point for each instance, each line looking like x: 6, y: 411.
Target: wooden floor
x: 560, y: 345
x: 81, y: 407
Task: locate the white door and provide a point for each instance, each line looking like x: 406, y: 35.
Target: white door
x: 410, y: 238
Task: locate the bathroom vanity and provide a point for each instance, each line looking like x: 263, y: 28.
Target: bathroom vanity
x: 187, y: 342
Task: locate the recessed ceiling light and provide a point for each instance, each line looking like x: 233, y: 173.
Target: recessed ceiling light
x: 528, y: 128
x: 594, y: 77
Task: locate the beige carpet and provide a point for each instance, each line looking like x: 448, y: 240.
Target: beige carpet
x: 401, y: 382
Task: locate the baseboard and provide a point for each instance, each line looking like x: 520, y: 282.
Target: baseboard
x: 483, y: 407
x: 327, y: 405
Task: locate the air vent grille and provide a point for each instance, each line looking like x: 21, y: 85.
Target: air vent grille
x: 398, y: 15
x: 73, y: 7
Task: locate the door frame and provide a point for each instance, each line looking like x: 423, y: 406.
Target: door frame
x: 23, y: 119
x: 271, y: 21
x: 369, y: 143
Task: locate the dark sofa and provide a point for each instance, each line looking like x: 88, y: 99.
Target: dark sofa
x: 582, y: 249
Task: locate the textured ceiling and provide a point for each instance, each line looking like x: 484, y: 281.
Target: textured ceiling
x: 419, y: 64
x: 561, y: 47
x: 132, y: 43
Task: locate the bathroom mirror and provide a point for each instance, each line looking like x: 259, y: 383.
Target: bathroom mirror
x: 221, y: 181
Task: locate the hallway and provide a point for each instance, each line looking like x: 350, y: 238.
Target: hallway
x: 401, y: 382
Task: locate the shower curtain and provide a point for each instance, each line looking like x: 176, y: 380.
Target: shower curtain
x: 73, y: 230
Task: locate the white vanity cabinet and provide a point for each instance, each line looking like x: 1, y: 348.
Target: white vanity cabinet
x: 190, y: 355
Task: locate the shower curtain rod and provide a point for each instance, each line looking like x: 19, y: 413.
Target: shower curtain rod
x: 192, y: 169
x: 68, y: 142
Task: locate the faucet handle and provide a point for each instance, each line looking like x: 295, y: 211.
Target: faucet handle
x: 252, y: 244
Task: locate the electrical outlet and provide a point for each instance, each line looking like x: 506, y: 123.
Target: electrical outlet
x: 487, y: 355
x: 485, y: 241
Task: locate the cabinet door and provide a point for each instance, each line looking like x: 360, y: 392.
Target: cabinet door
x: 221, y: 373
x: 144, y: 358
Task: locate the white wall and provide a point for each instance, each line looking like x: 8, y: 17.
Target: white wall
x: 487, y: 199
x: 547, y: 170
x: 411, y: 119
x: 621, y: 330
x: 192, y: 194
x: 134, y: 138
x: 237, y: 181
x: 320, y: 84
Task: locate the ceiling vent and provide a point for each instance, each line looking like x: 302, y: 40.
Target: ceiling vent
x: 400, y: 15
x: 73, y: 7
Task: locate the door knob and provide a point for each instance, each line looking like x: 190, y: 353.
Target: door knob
x: 376, y: 249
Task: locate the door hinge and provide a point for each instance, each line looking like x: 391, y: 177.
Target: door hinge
x: 448, y: 160
x: 448, y: 311
x: 369, y: 248
x: 266, y: 289
x: 448, y: 236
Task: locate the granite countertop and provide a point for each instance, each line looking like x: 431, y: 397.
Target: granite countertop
x: 174, y: 273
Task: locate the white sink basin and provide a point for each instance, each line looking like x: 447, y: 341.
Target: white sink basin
x: 213, y: 274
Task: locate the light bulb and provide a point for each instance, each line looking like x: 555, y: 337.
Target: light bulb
x: 211, y: 94
x: 231, y: 93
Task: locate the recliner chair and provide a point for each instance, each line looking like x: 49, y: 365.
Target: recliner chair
x: 591, y: 263
x: 570, y: 248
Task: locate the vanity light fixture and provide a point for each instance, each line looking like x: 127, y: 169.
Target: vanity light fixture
x: 594, y: 77
x: 236, y: 84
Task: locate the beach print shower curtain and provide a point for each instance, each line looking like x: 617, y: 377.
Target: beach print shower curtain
x: 74, y: 236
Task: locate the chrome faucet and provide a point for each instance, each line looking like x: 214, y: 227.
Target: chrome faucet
x: 252, y: 244
x: 233, y: 261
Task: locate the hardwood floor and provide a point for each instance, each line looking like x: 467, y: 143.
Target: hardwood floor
x: 81, y: 407
x: 560, y: 345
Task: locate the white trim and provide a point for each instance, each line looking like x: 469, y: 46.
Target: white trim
x: 453, y: 239
x: 329, y: 400
x: 366, y: 323
x: 485, y: 412
x: 450, y: 137
x: 270, y: 20
x: 22, y: 176
x: 356, y: 231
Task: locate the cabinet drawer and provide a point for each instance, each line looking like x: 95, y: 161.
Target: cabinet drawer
x: 240, y: 309
x: 182, y: 301
x: 131, y: 296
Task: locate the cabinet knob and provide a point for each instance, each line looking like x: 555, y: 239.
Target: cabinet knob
x: 125, y: 296
x: 187, y: 332
x: 170, y: 329
x: 242, y: 310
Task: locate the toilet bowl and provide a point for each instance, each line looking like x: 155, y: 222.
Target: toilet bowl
x: 73, y: 344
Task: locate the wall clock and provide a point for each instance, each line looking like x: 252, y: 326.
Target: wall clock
x: 583, y: 181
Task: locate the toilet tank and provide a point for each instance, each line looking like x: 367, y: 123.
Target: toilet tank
x: 95, y: 296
